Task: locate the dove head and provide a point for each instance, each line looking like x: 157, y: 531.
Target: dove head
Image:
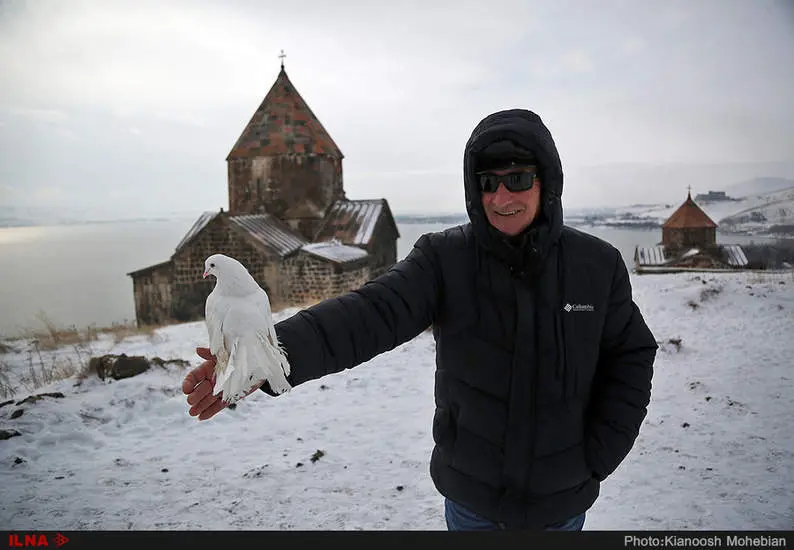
x: 232, y: 278
x: 223, y: 267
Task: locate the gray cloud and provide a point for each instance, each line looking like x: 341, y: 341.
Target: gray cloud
x: 134, y: 105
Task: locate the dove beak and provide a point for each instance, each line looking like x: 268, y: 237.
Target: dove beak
x: 205, y: 275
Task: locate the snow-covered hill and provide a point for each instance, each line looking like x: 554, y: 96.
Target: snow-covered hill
x: 775, y: 216
x: 749, y: 212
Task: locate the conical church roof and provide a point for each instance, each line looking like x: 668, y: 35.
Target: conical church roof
x: 283, y: 124
x: 688, y: 215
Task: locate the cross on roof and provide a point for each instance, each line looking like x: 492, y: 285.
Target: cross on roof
x: 282, y: 56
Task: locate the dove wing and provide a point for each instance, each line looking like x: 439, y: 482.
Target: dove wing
x: 215, y: 310
x: 254, y: 356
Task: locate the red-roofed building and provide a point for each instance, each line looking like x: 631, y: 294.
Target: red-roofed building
x: 286, y: 195
x: 689, y: 226
x: 689, y: 241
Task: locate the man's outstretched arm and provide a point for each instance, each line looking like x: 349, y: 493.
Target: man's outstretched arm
x: 345, y: 331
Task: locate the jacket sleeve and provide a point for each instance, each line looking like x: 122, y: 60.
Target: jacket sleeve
x: 342, y: 332
x: 622, y: 383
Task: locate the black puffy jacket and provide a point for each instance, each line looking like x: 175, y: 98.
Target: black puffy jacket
x: 544, y: 362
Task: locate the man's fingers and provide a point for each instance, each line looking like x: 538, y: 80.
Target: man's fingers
x: 197, y: 375
x: 193, y: 378
x: 199, y: 384
x: 201, y: 391
x: 213, y: 409
x: 205, y: 403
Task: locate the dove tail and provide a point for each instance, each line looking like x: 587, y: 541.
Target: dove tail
x: 278, y: 350
x: 276, y: 363
x: 252, y: 361
x: 240, y: 373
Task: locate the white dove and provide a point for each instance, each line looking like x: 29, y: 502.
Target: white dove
x: 241, y: 332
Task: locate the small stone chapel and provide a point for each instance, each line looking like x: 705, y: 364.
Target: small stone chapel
x: 289, y: 221
x: 689, y: 241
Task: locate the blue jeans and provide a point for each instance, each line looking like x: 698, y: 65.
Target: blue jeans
x: 462, y: 519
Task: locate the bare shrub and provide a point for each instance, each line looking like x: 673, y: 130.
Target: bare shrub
x: 6, y: 389
x: 56, y: 353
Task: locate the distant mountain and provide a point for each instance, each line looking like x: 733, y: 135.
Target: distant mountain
x: 758, y: 186
x: 623, y: 185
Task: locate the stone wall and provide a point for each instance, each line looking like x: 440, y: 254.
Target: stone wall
x: 689, y: 237
x: 311, y: 279
x: 275, y: 185
x: 152, y: 292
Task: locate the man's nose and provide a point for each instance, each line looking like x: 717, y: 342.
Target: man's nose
x: 502, y: 195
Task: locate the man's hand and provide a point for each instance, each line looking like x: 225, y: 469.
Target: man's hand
x: 198, y: 385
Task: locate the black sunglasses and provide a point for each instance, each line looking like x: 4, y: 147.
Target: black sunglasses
x: 513, y: 182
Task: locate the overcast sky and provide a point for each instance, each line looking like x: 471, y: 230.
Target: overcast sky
x: 132, y: 107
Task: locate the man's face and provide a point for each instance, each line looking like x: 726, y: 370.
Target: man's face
x: 511, y: 212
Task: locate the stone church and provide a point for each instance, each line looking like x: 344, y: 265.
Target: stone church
x: 689, y: 241
x: 289, y: 221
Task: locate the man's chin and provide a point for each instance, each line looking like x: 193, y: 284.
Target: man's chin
x: 507, y: 225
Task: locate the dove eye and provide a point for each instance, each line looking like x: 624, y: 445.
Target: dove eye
x: 212, y: 265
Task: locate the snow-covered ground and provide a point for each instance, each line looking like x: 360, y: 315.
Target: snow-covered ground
x: 351, y: 451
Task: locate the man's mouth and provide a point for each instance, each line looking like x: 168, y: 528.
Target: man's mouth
x: 507, y: 213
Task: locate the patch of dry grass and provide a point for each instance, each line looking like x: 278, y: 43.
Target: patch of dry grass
x: 41, y: 371
x: 52, y: 337
x: 45, y: 365
x: 121, y: 331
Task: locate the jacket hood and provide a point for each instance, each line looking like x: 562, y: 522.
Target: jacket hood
x: 527, y: 130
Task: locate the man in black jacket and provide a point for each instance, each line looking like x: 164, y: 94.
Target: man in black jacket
x: 544, y: 362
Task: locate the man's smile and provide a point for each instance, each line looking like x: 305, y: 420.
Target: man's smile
x: 508, y: 213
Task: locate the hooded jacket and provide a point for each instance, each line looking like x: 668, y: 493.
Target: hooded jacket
x: 543, y: 360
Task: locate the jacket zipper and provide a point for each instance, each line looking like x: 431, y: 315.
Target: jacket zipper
x: 562, y: 359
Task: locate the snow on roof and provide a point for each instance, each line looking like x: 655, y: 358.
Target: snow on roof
x: 269, y: 231
x: 198, y: 225
x: 734, y: 255
x: 335, y: 251
x: 352, y: 221
x: 650, y: 255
